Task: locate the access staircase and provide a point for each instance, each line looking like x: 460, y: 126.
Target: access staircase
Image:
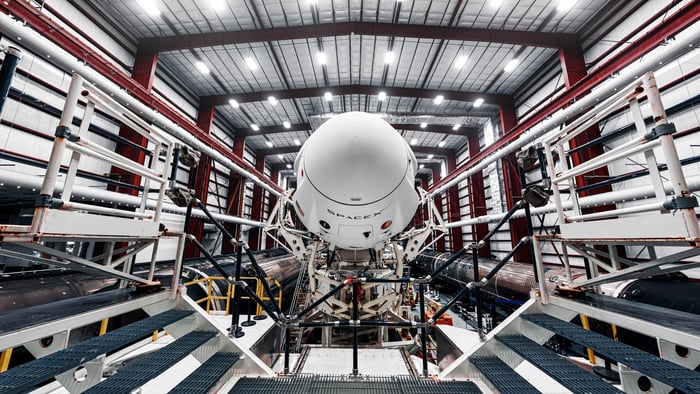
x: 300, y: 300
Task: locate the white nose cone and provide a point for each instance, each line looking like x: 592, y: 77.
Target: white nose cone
x: 355, y: 178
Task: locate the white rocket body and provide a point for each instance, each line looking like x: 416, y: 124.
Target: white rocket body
x: 355, y: 182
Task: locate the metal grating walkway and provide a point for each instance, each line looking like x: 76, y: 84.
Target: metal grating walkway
x: 140, y: 372
x: 570, y: 376
x: 657, y: 368
x: 23, y: 377
x: 207, y: 375
x: 322, y: 384
x: 503, y: 377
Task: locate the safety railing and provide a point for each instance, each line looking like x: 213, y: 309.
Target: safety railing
x: 212, y: 297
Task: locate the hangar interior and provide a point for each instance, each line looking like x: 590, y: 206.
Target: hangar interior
x: 174, y: 177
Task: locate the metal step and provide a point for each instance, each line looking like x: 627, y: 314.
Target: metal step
x: 501, y: 376
x: 207, y: 375
x: 341, y: 384
x: 664, y: 371
x: 570, y: 376
x: 23, y: 377
x: 140, y: 372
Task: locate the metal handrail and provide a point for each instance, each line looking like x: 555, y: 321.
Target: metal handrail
x: 230, y: 292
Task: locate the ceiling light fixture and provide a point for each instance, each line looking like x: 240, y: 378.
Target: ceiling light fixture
x: 421, y: 166
x: 381, y: 96
x: 565, y: 5
x: 252, y: 64
x: 438, y: 99
x: 456, y: 127
x: 496, y: 3
x: 280, y: 157
x: 477, y: 103
x: 511, y: 65
x: 150, y: 7
x: 460, y: 62
x: 441, y: 143
x: 430, y: 156
x: 286, y: 124
x: 414, y: 141
x: 328, y: 96
x: 269, y: 144
x: 218, y: 5
x: 272, y: 100
x: 234, y: 103
x: 423, y: 125
x: 388, y: 57
x: 202, y: 67
x: 254, y: 127
x: 297, y: 142
x: 289, y: 165
x: 321, y: 57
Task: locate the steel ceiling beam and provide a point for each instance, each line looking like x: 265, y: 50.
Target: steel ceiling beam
x: 191, y: 41
x: 442, y: 129
x: 441, y: 152
x: 489, y: 98
x: 669, y: 27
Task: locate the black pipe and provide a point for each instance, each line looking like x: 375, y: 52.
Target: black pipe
x: 423, y: 330
x: 258, y: 300
x: 210, y: 258
x: 176, y: 159
x: 504, y: 219
x: 216, y: 222
x: 501, y: 263
x: 286, y: 349
x: 261, y: 276
x: 449, y: 304
x: 477, y: 292
x: 387, y: 280
x: 236, y: 331
x: 321, y: 300
x: 362, y: 323
x: 447, y: 262
x: 355, y: 317
x: 7, y: 72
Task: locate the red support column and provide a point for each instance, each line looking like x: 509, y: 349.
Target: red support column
x: 574, y: 69
x: 513, y: 186
x: 437, y: 199
x: 143, y: 72
x: 275, y: 176
x: 200, y: 177
x: 255, y: 235
x: 236, y: 195
x: 477, y: 199
x: 453, y: 211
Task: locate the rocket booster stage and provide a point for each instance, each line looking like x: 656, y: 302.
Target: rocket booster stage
x: 355, y: 182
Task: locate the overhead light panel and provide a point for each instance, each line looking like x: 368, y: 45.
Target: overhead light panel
x: 328, y: 96
x: 456, y: 127
x: 289, y: 165
x: 477, y: 103
x: 423, y: 125
x: 272, y: 100
x: 381, y: 96
x: 438, y: 99
x: 321, y: 57
x: 234, y: 103
x: 297, y: 142
x: 565, y: 5
x: 496, y: 3
x: 255, y: 127
x: 150, y: 7
x: 460, y: 62
x: 252, y: 64
x: 218, y: 5
x: 280, y: 157
x: 414, y: 141
x: 421, y: 166
x: 202, y: 67
x: 388, y: 57
x: 441, y: 143
x: 511, y: 65
x: 286, y: 124
x: 430, y: 156
x: 269, y: 144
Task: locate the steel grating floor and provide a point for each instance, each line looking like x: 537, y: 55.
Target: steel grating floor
x: 207, y: 375
x: 140, y: 372
x: 664, y: 371
x: 564, y: 372
x: 503, y: 377
x: 324, y: 384
x: 23, y: 377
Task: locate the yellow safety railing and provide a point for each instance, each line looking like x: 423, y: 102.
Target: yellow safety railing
x: 231, y: 292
